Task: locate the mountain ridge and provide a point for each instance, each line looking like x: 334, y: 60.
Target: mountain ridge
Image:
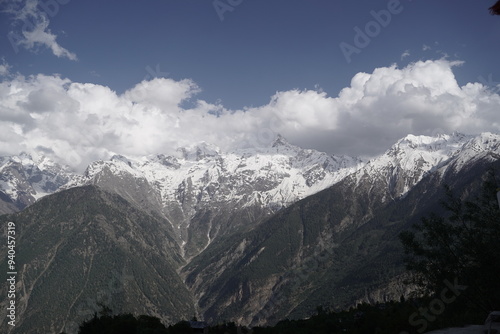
x: 203, y: 185
x: 203, y: 190
x: 42, y: 167
x: 346, y: 249
x: 247, y: 263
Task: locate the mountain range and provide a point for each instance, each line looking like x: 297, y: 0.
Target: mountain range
x: 192, y: 190
x: 253, y: 235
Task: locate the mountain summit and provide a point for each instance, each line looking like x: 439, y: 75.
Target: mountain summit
x: 280, y: 141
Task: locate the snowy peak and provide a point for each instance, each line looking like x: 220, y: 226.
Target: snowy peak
x: 276, y: 175
x: 412, y: 157
x: 203, y: 192
x: 416, y: 152
x: 24, y: 179
x: 483, y: 146
x: 265, y: 174
x: 444, y: 145
x: 280, y: 141
x: 485, y: 142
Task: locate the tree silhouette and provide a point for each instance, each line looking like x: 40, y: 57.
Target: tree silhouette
x: 462, y: 246
x: 122, y: 324
x: 495, y: 9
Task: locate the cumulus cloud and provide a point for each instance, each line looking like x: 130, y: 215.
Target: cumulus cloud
x: 80, y: 122
x: 32, y: 17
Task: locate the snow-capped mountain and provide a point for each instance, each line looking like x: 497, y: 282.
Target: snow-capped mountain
x: 212, y: 215
x: 204, y: 192
x: 349, y: 232
x: 409, y: 160
x: 24, y: 179
x: 274, y: 176
x: 483, y: 146
x: 412, y: 157
x: 392, y: 175
x: 212, y: 192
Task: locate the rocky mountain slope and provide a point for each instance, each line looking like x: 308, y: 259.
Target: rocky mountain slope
x: 82, y: 248
x: 339, y: 246
x: 247, y: 236
x: 202, y: 192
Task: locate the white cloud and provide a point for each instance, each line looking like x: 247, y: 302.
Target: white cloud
x: 4, y: 69
x: 81, y: 122
x: 405, y: 54
x: 34, y: 26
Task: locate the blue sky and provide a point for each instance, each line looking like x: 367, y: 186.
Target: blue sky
x: 259, y: 48
x: 238, y: 54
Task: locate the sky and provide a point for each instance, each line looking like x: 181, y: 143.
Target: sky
x: 83, y: 80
